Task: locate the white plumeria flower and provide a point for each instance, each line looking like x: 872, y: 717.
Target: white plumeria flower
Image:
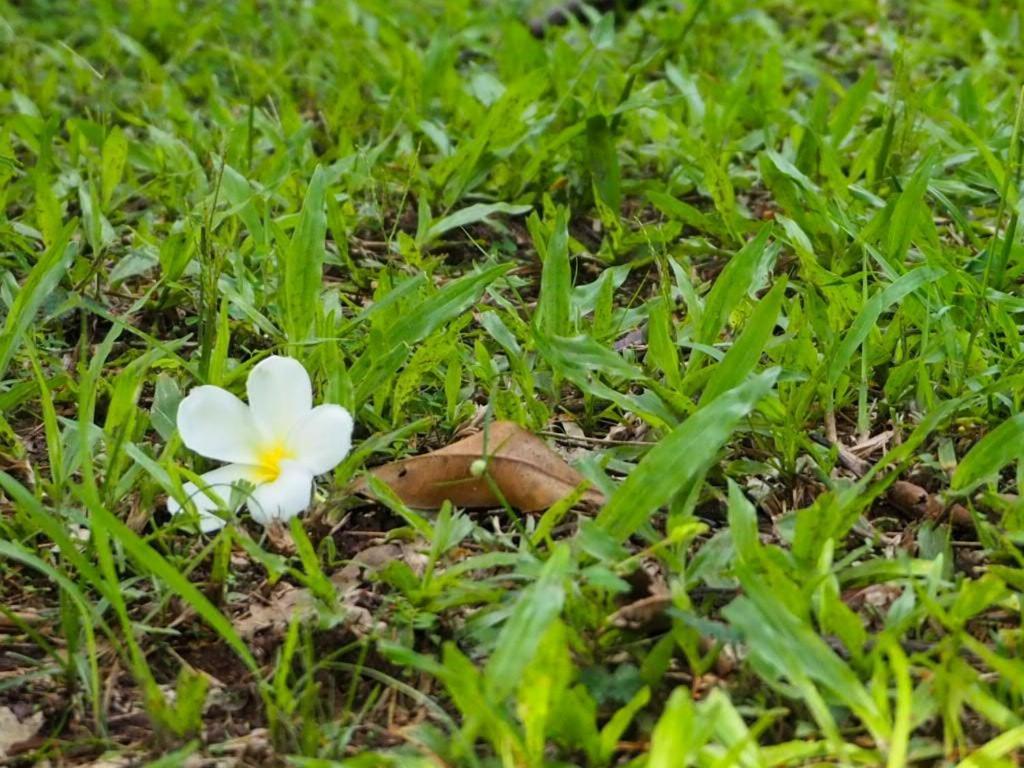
x: 277, y: 444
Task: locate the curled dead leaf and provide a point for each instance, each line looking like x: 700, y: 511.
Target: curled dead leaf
x: 915, y: 501
x: 528, y: 474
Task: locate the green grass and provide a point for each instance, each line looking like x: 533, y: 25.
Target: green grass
x: 708, y: 237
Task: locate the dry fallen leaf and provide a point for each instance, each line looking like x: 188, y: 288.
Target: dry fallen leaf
x: 14, y: 731
x: 914, y: 500
x: 276, y: 612
x: 528, y: 474
x: 286, y: 601
x: 646, y: 613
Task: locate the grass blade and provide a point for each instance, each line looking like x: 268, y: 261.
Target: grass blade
x: 536, y: 608
x: 556, y: 279
x: 732, y: 285
x: 40, y: 283
x: 681, y: 457
x: 870, y: 313
x: 303, y: 263
x: 994, y: 451
x: 743, y: 356
x: 472, y: 214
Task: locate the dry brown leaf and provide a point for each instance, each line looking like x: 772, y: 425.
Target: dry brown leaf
x: 646, y: 613
x: 275, y: 614
x: 287, y: 600
x: 14, y: 731
x: 271, y: 619
x: 528, y: 474
x: 878, y: 597
x: 914, y: 500
x: 376, y: 557
x: 909, y: 498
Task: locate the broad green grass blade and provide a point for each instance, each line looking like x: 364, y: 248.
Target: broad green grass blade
x: 998, y: 448
x: 542, y: 690
x: 732, y: 285
x: 240, y: 194
x: 850, y: 108
x: 556, y: 279
x: 612, y: 731
x: 906, y: 213
x: 40, y: 283
x: 416, y: 323
x: 115, y: 154
x: 662, y: 351
x: 792, y: 648
x: 731, y: 730
x: 584, y: 355
x: 536, y: 608
x: 602, y: 162
x: 681, y: 457
x: 900, y: 741
x: 472, y: 214
x: 991, y: 754
x: 444, y: 306
x: 303, y: 262
x: 869, y: 314
x: 678, y: 732
x: 743, y: 525
x: 743, y: 356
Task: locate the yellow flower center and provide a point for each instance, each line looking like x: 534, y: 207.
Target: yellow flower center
x: 269, y: 461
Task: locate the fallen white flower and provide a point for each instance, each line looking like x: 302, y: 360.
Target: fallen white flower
x: 276, y: 445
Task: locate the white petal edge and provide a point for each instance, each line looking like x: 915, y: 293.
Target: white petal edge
x: 322, y: 438
x: 280, y: 394
x: 285, y: 497
x: 216, y: 424
x: 218, y: 482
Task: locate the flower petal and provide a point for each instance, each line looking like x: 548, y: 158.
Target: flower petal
x: 322, y: 438
x: 218, y: 482
x: 216, y: 424
x: 285, y: 497
x: 280, y: 394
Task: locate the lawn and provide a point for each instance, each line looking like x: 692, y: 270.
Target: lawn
x: 711, y: 307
